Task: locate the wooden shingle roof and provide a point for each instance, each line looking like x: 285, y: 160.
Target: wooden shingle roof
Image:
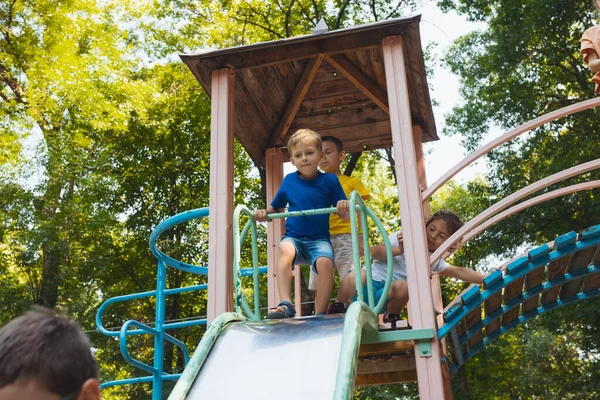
x: 332, y: 82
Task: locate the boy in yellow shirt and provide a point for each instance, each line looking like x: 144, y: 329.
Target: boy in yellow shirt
x: 339, y: 229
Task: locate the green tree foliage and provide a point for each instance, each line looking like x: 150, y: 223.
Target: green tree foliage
x: 60, y: 77
x: 525, y: 64
x: 103, y: 143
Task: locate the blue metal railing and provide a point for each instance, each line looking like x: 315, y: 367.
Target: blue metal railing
x: 539, y: 257
x: 160, y: 325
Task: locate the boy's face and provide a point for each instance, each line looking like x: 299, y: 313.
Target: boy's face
x: 437, y: 233
x: 305, y: 157
x: 332, y: 157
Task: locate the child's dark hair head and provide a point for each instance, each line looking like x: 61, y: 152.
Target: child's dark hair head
x: 44, y: 347
x: 453, y: 221
x: 338, y: 143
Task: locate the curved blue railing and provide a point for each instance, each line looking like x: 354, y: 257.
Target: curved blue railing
x: 160, y: 325
x: 473, y: 298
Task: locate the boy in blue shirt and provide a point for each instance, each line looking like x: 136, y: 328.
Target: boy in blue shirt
x: 306, y: 240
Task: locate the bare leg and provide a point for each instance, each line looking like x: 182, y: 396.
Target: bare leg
x: 324, y: 284
x: 285, y: 257
x: 348, y: 287
x: 398, y: 297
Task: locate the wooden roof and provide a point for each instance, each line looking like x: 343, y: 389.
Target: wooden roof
x: 331, y: 82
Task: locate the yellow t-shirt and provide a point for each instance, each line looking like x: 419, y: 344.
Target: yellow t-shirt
x: 337, y: 225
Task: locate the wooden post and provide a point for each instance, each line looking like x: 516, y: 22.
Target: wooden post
x: 274, y: 166
x: 220, y: 242
x: 421, y: 306
x: 436, y: 289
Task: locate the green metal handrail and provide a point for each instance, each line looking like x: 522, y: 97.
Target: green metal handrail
x: 356, y: 205
x: 238, y: 239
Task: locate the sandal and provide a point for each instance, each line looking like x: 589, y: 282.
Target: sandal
x: 283, y: 310
x: 337, y: 308
x: 392, y: 319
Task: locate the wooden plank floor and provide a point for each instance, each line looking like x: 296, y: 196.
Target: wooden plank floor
x: 386, y: 363
x: 533, y: 279
x: 555, y: 269
x: 593, y: 281
x: 513, y: 290
x: 580, y: 260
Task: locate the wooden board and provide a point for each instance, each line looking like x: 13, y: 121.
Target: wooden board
x: 327, y: 73
x: 346, y: 118
x: 555, y: 268
x: 580, y: 260
x: 385, y: 363
x: 491, y: 305
x: 386, y: 378
x: 593, y: 281
x: 511, y: 291
x: 533, y: 279
x: 359, y: 137
x: 460, y: 330
x: 472, y: 319
x: 336, y: 87
x: 406, y: 347
x: 337, y: 103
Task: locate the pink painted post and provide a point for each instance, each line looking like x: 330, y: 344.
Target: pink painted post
x: 421, y: 306
x: 274, y: 164
x: 436, y: 290
x: 435, y: 279
x: 220, y: 242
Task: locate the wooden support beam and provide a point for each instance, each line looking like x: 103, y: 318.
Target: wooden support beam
x: 274, y: 163
x: 220, y: 241
x: 362, y: 82
x: 421, y: 306
x: 436, y: 290
x: 310, y: 71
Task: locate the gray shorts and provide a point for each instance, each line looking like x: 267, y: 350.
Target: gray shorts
x: 342, y: 258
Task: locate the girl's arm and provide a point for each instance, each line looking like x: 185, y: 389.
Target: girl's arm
x: 464, y: 274
x: 378, y: 252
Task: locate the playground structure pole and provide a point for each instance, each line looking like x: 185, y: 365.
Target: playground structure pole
x: 436, y: 290
x: 421, y: 306
x: 220, y: 243
x: 274, y: 171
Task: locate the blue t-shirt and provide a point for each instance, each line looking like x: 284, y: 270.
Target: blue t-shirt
x: 301, y: 194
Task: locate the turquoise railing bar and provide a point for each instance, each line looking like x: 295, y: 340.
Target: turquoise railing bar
x: 303, y: 213
x: 125, y: 351
x: 142, y: 379
x: 240, y: 299
x: 132, y: 327
x: 357, y: 204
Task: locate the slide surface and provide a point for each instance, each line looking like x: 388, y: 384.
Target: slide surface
x: 280, y: 359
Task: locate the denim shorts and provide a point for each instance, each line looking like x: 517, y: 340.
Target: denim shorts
x: 309, y: 250
x: 377, y: 293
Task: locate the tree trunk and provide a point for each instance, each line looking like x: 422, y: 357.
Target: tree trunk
x: 48, y: 296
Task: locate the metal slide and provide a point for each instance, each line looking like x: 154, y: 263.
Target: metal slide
x: 281, y: 359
